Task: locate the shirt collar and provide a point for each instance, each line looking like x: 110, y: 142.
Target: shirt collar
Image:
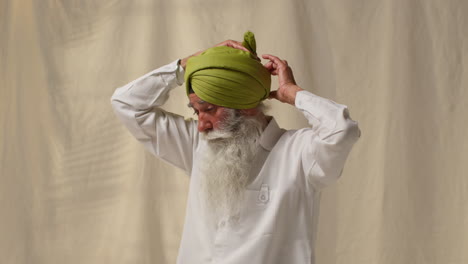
x: 271, y: 135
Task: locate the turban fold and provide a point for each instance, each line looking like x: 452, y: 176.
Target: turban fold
x: 229, y: 77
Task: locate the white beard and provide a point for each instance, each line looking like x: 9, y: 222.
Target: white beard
x: 226, y: 163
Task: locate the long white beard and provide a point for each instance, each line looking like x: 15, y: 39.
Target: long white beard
x: 226, y: 163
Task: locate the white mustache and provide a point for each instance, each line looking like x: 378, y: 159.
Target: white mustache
x: 217, y: 134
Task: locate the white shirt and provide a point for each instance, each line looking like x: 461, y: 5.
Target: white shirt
x: 278, y: 222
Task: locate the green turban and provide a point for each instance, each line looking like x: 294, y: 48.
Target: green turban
x: 229, y: 77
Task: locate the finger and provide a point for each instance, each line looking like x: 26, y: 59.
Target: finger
x: 237, y: 46
x: 229, y: 42
x: 275, y: 59
x: 233, y: 44
x: 267, y: 56
x: 269, y: 65
x: 270, y: 57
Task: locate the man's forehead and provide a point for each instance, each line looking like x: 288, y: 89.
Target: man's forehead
x: 194, y: 99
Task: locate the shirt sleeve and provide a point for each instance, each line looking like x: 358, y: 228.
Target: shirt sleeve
x: 166, y: 135
x: 330, y: 139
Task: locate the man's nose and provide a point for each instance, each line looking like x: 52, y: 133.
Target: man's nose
x: 204, y: 125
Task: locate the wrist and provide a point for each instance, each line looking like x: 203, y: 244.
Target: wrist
x: 291, y: 94
x: 183, y: 62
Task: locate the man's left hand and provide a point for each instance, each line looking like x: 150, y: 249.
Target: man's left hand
x: 288, y: 88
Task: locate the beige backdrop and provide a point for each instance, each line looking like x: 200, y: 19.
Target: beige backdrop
x: 75, y: 187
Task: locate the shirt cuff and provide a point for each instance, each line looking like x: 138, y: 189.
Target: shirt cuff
x: 318, y: 110
x: 310, y: 102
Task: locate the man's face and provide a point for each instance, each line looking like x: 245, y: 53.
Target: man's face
x: 210, y: 116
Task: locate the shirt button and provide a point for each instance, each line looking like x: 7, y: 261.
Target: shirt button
x: 222, y: 224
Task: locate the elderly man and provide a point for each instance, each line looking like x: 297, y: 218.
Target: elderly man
x: 254, y: 187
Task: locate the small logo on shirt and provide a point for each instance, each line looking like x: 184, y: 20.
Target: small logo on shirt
x: 264, y: 194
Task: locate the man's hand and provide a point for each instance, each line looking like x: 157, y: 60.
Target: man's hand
x: 228, y: 43
x: 288, y: 88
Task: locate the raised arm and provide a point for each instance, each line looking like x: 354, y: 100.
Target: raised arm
x: 166, y: 135
x: 328, y: 142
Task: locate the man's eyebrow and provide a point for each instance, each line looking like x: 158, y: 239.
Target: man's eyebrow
x: 190, y: 105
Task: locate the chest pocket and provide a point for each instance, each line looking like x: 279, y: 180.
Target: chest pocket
x: 257, y: 217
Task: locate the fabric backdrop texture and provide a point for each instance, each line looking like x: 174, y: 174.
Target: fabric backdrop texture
x: 75, y: 187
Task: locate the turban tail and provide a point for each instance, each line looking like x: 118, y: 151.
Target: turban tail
x: 229, y: 77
